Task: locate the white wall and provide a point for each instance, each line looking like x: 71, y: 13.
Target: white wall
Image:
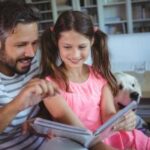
x: 129, y: 52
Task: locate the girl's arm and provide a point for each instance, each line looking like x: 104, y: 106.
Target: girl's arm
x: 128, y: 122
x: 107, y: 104
x: 102, y: 146
x: 60, y: 111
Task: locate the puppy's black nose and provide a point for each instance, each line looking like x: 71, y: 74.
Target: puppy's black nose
x: 134, y: 95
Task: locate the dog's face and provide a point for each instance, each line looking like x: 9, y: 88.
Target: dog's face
x: 129, y: 88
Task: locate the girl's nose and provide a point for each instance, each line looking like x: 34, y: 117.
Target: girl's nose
x: 76, y: 53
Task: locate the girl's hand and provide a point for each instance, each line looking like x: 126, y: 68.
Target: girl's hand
x: 128, y: 122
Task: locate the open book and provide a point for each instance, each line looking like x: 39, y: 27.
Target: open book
x: 80, y: 135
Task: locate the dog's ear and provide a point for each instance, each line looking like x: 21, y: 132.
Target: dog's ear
x: 120, y: 86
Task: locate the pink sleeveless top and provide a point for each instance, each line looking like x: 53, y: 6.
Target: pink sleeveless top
x: 84, y: 99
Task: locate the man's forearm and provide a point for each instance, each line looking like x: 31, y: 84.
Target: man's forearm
x: 7, y: 113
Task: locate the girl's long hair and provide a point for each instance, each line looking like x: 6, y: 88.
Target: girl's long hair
x: 81, y: 23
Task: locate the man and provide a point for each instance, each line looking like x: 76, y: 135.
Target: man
x: 19, y: 95
x: 18, y: 45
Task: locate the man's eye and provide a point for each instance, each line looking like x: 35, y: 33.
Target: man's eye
x: 35, y: 43
x: 20, y: 45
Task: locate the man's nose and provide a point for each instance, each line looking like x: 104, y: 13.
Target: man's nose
x: 30, y: 51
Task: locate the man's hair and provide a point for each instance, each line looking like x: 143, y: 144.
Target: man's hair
x: 12, y: 13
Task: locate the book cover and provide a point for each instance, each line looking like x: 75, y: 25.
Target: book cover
x: 83, y: 136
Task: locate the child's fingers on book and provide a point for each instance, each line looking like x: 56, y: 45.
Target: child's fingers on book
x: 124, y: 123
x: 121, y: 124
x: 130, y: 119
x: 117, y: 127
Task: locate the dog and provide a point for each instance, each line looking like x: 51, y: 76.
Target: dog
x: 129, y: 90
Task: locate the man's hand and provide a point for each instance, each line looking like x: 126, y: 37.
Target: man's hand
x: 34, y: 92
x: 26, y: 128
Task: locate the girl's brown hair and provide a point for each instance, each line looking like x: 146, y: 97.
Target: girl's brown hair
x: 81, y: 23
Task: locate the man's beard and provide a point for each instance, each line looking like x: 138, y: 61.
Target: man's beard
x: 11, y: 65
x: 15, y: 70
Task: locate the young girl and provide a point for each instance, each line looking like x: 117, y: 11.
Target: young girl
x: 88, y: 90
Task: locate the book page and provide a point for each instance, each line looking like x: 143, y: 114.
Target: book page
x: 44, y: 127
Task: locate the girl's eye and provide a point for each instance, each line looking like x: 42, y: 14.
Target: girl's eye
x: 82, y: 47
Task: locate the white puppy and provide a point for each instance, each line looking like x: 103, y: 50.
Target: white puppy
x: 129, y: 88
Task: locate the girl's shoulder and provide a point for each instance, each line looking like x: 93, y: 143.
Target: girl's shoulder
x: 94, y: 76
